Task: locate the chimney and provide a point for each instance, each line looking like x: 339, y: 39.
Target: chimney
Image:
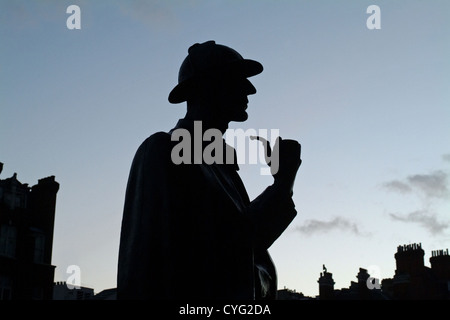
x: 440, y: 264
x: 326, y: 285
x: 409, y: 259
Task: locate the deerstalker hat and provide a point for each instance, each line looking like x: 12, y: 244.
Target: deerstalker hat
x: 209, y: 59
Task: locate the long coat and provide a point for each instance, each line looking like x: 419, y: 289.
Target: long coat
x: 189, y: 231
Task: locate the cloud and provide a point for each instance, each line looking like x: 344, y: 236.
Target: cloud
x: 446, y: 157
x: 433, y: 185
x: 339, y: 223
x: 399, y: 186
x: 422, y: 218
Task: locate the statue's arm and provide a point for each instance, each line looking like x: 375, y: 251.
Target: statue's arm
x: 270, y: 214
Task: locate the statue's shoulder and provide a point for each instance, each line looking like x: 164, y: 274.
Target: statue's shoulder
x: 158, y: 139
x: 157, y: 145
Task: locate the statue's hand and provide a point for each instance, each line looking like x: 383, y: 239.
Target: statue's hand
x: 284, y: 163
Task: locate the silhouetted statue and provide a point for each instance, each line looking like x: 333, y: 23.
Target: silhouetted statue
x: 189, y: 231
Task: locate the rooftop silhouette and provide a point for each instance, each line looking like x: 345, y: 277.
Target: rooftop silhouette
x: 412, y: 279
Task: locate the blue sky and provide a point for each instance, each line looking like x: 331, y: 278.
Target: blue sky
x: 371, y: 109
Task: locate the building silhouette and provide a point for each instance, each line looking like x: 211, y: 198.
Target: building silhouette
x: 107, y: 294
x: 412, y: 279
x: 356, y: 291
x: 26, y: 238
x: 288, y: 294
x: 62, y: 291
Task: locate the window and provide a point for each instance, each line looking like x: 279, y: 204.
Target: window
x: 8, y: 239
x: 5, y: 288
x: 39, y: 246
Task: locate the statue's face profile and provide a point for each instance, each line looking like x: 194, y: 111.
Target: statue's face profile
x: 228, y: 95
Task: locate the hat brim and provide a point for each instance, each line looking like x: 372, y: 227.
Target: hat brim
x: 245, y: 67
